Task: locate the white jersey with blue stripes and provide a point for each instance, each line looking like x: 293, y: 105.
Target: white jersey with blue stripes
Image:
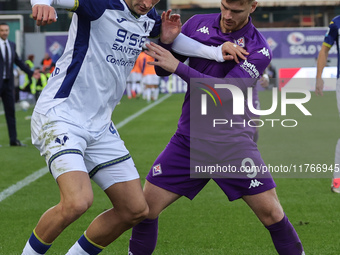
x: 89, y: 80
x: 332, y: 36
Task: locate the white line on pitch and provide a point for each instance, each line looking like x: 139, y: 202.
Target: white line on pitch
x: 36, y: 175
x: 137, y: 114
x: 20, y: 184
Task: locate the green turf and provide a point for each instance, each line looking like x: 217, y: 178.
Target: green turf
x: 209, y: 224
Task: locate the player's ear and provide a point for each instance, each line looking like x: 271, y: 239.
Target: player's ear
x: 253, y: 6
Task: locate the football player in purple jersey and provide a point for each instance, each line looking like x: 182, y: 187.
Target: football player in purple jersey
x: 169, y: 177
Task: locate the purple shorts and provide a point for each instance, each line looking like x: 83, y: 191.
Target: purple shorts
x: 171, y: 170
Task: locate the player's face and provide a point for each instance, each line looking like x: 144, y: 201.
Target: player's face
x: 234, y: 15
x: 4, y: 31
x: 141, y: 7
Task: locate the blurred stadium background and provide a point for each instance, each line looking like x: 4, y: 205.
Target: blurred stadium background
x: 294, y: 29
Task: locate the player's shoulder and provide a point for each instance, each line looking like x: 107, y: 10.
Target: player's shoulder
x: 203, y: 17
x: 199, y: 21
x: 257, y: 45
x: 335, y: 21
x: 95, y: 9
x: 156, y: 29
x: 153, y: 14
x: 112, y: 4
x: 255, y: 38
x: 337, y: 18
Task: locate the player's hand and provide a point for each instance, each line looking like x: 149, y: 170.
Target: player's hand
x: 171, y: 27
x: 44, y: 14
x: 232, y: 51
x: 319, y: 87
x: 264, y: 80
x: 164, y: 57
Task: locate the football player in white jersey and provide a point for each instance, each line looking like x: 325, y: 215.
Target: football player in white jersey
x: 331, y: 37
x: 71, y: 124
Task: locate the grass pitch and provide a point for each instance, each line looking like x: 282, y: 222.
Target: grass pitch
x: 209, y: 224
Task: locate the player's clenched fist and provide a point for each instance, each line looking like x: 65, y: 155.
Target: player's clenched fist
x: 44, y: 14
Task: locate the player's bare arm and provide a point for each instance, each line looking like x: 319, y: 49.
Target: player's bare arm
x: 171, y: 27
x: 164, y: 57
x: 321, y: 63
x: 319, y: 86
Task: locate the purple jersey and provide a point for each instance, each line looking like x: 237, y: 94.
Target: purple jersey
x: 205, y: 28
x: 190, y: 148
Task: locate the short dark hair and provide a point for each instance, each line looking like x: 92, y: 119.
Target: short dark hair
x: 241, y: 1
x: 30, y: 57
x: 3, y: 24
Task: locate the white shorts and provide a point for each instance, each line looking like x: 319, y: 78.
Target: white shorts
x: 338, y: 94
x: 151, y: 79
x: 68, y: 147
x: 134, y: 77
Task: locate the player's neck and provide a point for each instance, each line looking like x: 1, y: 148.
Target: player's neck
x: 128, y: 3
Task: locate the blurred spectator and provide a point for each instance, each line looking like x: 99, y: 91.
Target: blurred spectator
x: 271, y: 72
x: 39, y: 81
x: 30, y: 62
x: 28, y: 79
x: 48, y: 72
x: 46, y: 62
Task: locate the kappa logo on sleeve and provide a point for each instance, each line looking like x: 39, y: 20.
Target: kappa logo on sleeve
x: 204, y: 30
x: 156, y: 170
x: 265, y: 52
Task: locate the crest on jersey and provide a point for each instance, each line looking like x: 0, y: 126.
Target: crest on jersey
x: 241, y: 42
x: 156, y: 170
x: 61, y: 141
